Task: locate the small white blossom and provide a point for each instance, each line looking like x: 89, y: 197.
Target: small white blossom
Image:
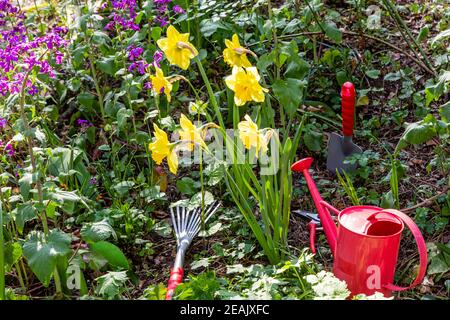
x: 327, y: 287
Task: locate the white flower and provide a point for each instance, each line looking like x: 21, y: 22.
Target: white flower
x: 327, y: 287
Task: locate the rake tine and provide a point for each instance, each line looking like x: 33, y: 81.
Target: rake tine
x: 186, y: 225
x: 191, y: 222
x: 174, y: 223
x: 215, y: 205
x: 209, y: 212
x: 178, y: 219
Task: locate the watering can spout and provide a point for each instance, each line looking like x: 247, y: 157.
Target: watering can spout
x: 328, y: 224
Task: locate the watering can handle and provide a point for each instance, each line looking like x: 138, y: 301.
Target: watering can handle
x: 312, y: 236
x: 420, y: 245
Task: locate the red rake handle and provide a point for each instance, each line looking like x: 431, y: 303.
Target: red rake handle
x: 176, y: 277
x: 348, y: 95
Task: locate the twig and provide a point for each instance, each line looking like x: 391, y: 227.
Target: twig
x: 425, y: 202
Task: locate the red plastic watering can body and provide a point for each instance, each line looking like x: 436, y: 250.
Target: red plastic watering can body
x: 366, y: 254
x: 365, y: 245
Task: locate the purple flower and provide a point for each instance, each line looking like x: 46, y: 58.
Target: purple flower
x: 93, y: 181
x: 140, y: 66
x: 148, y: 85
x: 161, y: 9
x: 10, y: 150
x: 123, y: 15
x: 134, y: 53
x: 18, y: 52
x: 3, y: 123
x: 178, y: 9
x: 157, y: 58
x: 33, y: 90
x: 162, y: 21
x: 84, y: 123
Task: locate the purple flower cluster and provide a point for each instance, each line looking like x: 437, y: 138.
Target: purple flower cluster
x: 9, y: 148
x: 161, y: 7
x: 157, y: 58
x: 21, y: 52
x: 138, y: 62
x: 123, y: 15
x: 141, y: 66
x: 134, y: 53
x: 3, y: 123
x: 84, y: 124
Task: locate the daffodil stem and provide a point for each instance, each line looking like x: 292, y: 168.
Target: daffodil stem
x: 157, y: 105
x: 212, y: 98
x: 235, y: 116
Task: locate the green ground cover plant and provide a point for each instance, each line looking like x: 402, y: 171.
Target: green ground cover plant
x: 113, y: 112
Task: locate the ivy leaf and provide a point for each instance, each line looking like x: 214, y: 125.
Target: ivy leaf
x: 423, y: 34
x: 157, y: 292
x: 107, y: 65
x: 111, y: 253
x: 333, y: 32
x: 215, y: 172
x: 25, y: 212
x: 387, y: 200
x: 374, y: 74
x: 187, y: 186
x: 110, y: 284
x: 123, y: 187
x: 416, y: 133
x: 313, y: 140
x: 196, y: 200
x: 97, y: 231
x: 440, y: 36
x: 201, y: 263
x: 289, y: 93
x: 86, y: 99
x: 13, y: 252
x: 122, y: 116
x: 266, y: 60
x: 209, y: 26
x: 42, y: 252
x: 444, y: 111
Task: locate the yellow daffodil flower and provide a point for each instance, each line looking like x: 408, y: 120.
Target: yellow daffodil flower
x: 245, y: 84
x: 252, y: 136
x: 177, y: 48
x: 191, y: 133
x: 161, y: 148
x: 161, y: 84
x: 235, y: 54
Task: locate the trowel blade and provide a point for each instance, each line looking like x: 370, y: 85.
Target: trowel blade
x: 336, y: 155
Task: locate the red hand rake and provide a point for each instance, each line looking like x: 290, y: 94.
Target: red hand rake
x: 186, y: 225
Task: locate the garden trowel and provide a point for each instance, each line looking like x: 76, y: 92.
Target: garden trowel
x: 339, y: 147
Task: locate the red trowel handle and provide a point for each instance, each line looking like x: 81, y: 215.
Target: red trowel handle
x: 348, y: 95
x: 176, y: 277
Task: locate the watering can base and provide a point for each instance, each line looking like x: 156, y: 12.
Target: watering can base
x: 337, y: 153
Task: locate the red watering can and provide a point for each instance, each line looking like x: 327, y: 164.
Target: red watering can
x: 365, y: 244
